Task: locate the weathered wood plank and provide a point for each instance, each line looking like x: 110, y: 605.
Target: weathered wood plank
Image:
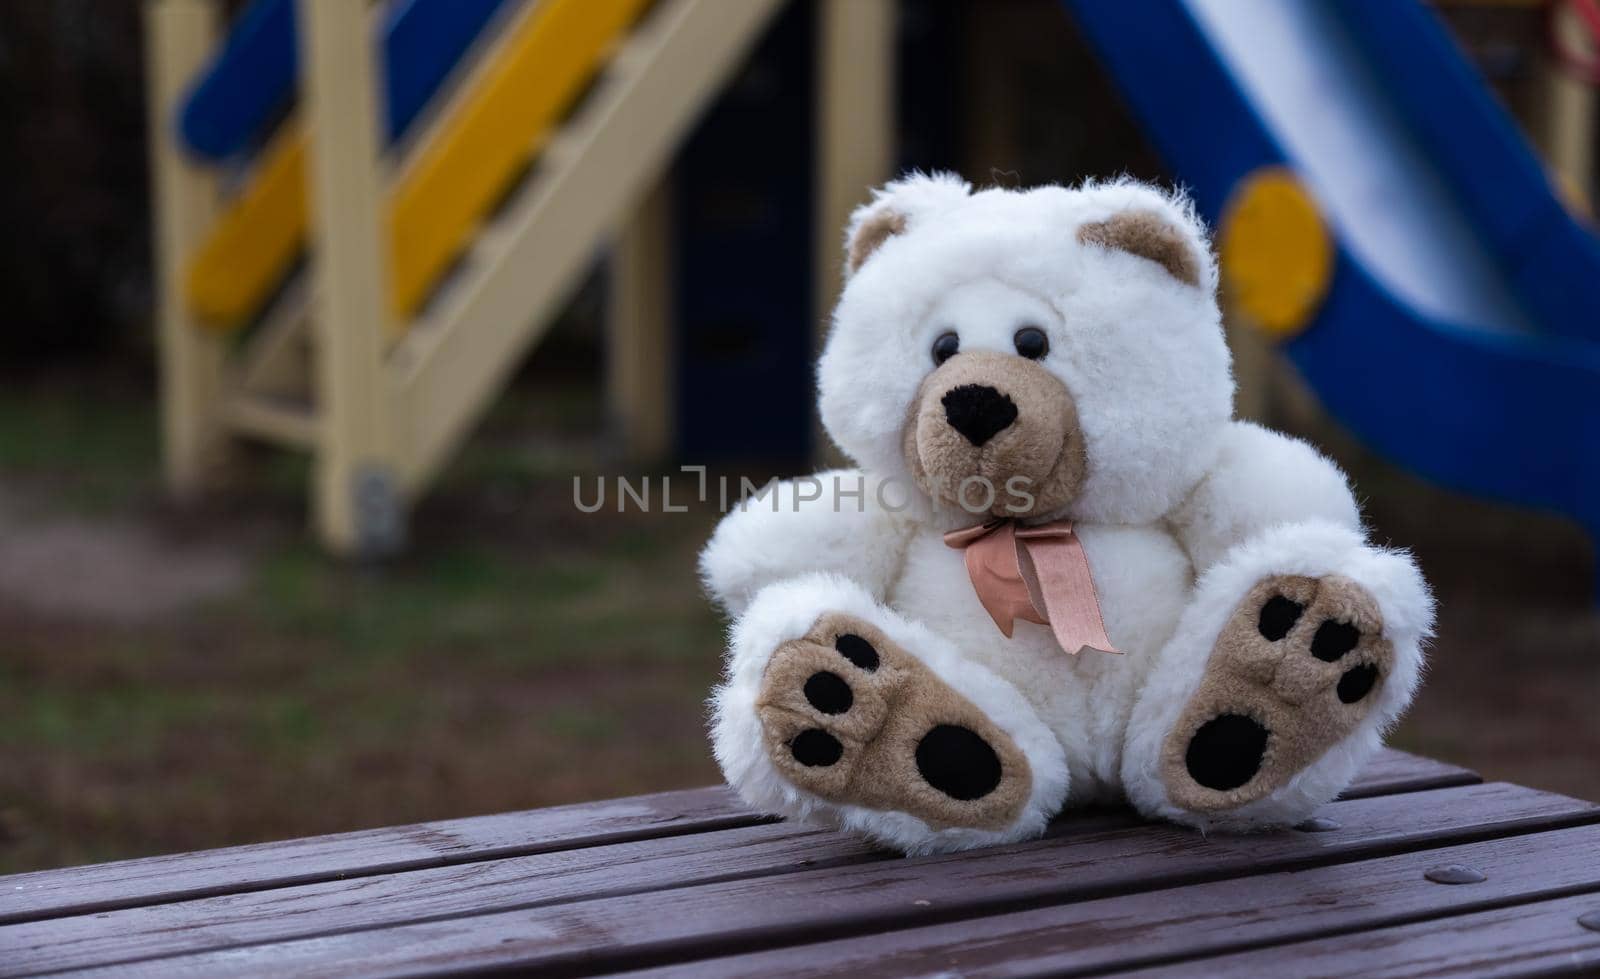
x: 1540, y: 939
x: 1182, y: 923
x: 183, y: 876
x: 1394, y: 771
x: 690, y: 922
x: 233, y: 870
x: 507, y: 883
x: 421, y: 895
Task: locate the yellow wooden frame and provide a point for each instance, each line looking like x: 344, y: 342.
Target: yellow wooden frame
x: 357, y: 501
x: 591, y: 176
x: 180, y: 35
x: 385, y: 412
x: 455, y: 180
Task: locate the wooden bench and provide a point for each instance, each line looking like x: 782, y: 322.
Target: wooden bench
x: 1419, y: 868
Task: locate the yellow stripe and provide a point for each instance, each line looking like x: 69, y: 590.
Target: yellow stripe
x: 484, y: 146
x: 255, y: 241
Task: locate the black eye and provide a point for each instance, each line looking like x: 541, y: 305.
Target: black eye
x: 1031, y: 342
x: 945, y: 347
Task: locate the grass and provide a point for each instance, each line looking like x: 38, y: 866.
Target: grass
x: 94, y: 450
x: 521, y: 654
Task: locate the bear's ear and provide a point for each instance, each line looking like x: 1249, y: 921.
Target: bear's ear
x: 868, y: 231
x: 894, y: 209
x: 1148, y: 234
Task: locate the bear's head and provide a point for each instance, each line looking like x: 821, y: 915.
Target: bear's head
x: 1045, y: 353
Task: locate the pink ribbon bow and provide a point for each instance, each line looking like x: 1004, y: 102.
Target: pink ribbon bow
x: 1038, y: 574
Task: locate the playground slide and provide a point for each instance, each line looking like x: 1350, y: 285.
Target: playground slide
x: 1459, y: 334
x: 1551, y: 259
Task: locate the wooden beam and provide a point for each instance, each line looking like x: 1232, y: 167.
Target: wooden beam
x: 460, y: 352
x: 275, y: 359
x: 181, y: 33
x: 358, y: 506
x: 639, y: 322
x: 855, y: 126
x: 1569, y: 118
x: 283, y: 421
x: 855, y: 123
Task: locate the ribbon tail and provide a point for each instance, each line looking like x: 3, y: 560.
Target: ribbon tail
x: 986, y: 569
x: 1060, y: 577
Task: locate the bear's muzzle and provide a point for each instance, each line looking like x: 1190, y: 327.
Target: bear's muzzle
x: 995, y: 434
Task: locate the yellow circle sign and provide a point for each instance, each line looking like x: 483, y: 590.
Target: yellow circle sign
x: 1276, y: 254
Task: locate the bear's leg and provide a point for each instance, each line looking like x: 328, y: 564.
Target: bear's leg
x: 1295, y: 654
x: 838, y: 711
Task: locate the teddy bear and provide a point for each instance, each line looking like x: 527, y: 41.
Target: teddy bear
x: 1061, y: 572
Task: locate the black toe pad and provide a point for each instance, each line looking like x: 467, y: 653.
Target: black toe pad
x: 1278, y: 616
x: 1357, y: 683
x: 858, y: 651
x: 829, y: 693
x: 816, y: 748
x: 958, y: 763
x: 1226, y: 752
x: 1333, y: 640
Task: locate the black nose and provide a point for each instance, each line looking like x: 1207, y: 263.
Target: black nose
x: 978, y: 412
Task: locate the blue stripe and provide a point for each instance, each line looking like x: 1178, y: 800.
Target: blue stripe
x: 252, y: 78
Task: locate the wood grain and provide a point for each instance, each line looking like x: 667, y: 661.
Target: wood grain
x: 1182, y: 923
x: 747, y: 915
x: 507, y: 883
x: 1541, y: 939
x: 421, y: 895
x: 234, y: 870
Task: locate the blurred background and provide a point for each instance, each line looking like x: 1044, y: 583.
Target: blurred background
x: 296, y: 374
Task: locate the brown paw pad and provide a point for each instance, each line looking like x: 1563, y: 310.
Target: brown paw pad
x: 856, y: 720
x: 1291, y: 675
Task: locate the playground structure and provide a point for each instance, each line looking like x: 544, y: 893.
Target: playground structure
x: 1378, y: 214
x: 518, y: 151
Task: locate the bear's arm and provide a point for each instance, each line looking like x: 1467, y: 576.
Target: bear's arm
x: 1261, y: 478
x: 802, y: 526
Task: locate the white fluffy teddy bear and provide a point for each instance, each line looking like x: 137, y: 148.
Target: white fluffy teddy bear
x: 1037, y: 391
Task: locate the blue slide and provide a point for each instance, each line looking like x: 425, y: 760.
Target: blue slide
x: 1460, y: 336
x: 252, y: 78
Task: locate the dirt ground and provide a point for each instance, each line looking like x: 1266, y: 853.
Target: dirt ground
x: 174, y: 679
